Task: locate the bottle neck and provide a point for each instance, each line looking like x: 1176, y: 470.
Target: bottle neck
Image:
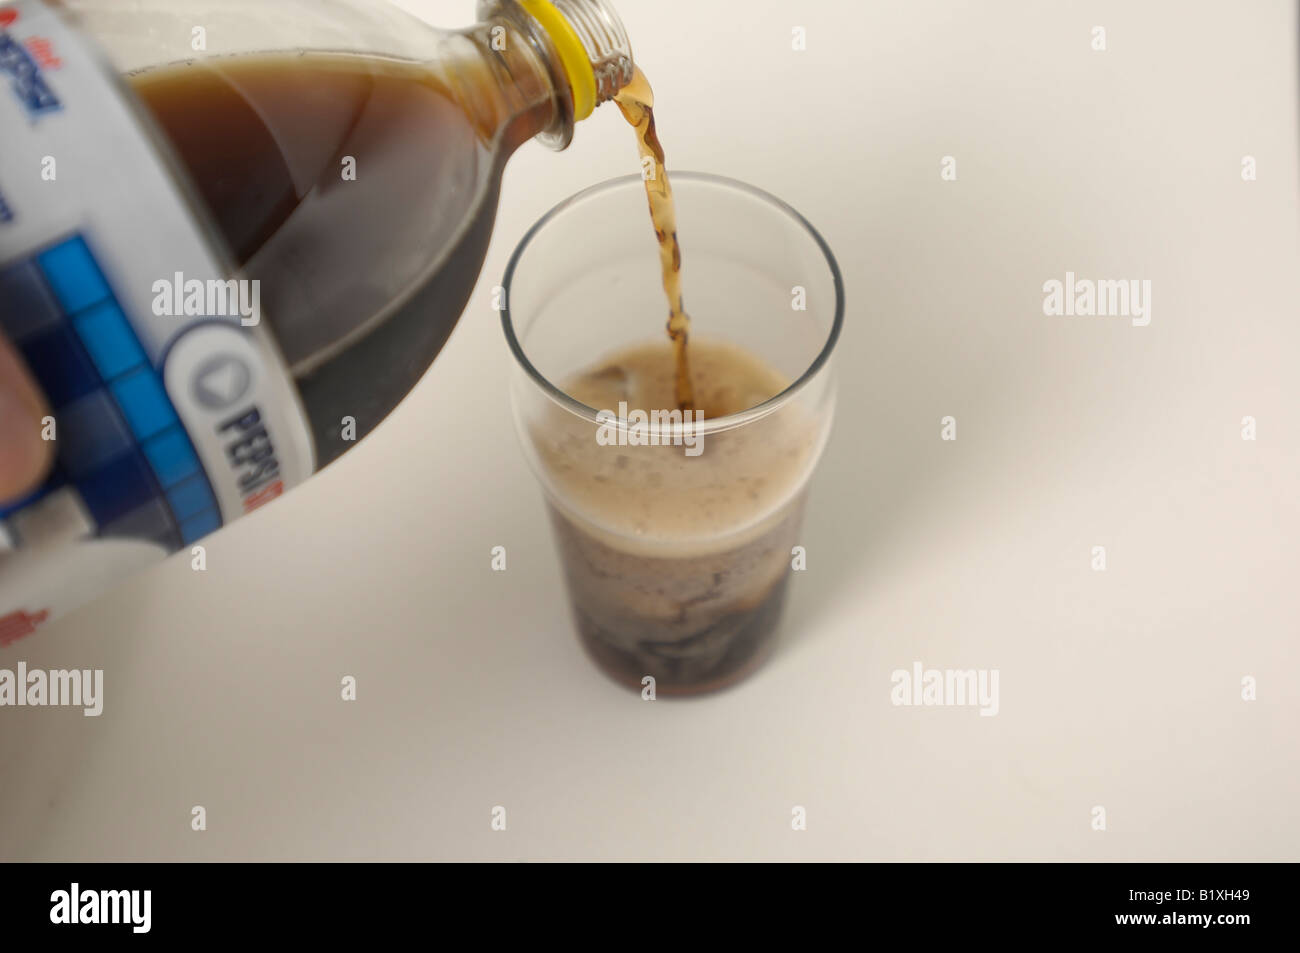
x: 552, y: 62
x: 506, y: 85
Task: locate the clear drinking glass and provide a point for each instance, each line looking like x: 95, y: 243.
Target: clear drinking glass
x: 677, y: 541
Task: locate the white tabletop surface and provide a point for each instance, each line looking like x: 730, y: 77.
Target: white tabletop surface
x: 1119, y: 689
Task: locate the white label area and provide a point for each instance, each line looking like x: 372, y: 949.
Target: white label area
x: 169, y: 421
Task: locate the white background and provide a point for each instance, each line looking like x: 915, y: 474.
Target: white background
x: 1119, y: 688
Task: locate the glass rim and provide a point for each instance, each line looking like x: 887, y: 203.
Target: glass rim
x: 774, y: 402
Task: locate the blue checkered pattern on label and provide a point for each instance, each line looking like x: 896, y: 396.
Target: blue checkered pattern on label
x: 121, y: 447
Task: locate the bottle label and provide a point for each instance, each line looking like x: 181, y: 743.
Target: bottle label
x: 171, y: 410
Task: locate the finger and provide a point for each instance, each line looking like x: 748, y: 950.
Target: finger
x: 24, y: 455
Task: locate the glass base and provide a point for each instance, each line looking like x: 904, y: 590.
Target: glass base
x: 712, y: 659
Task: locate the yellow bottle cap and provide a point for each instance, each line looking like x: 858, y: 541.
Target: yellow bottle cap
x: 573, y: 55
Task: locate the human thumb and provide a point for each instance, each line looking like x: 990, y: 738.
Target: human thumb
x: 24, y: 455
